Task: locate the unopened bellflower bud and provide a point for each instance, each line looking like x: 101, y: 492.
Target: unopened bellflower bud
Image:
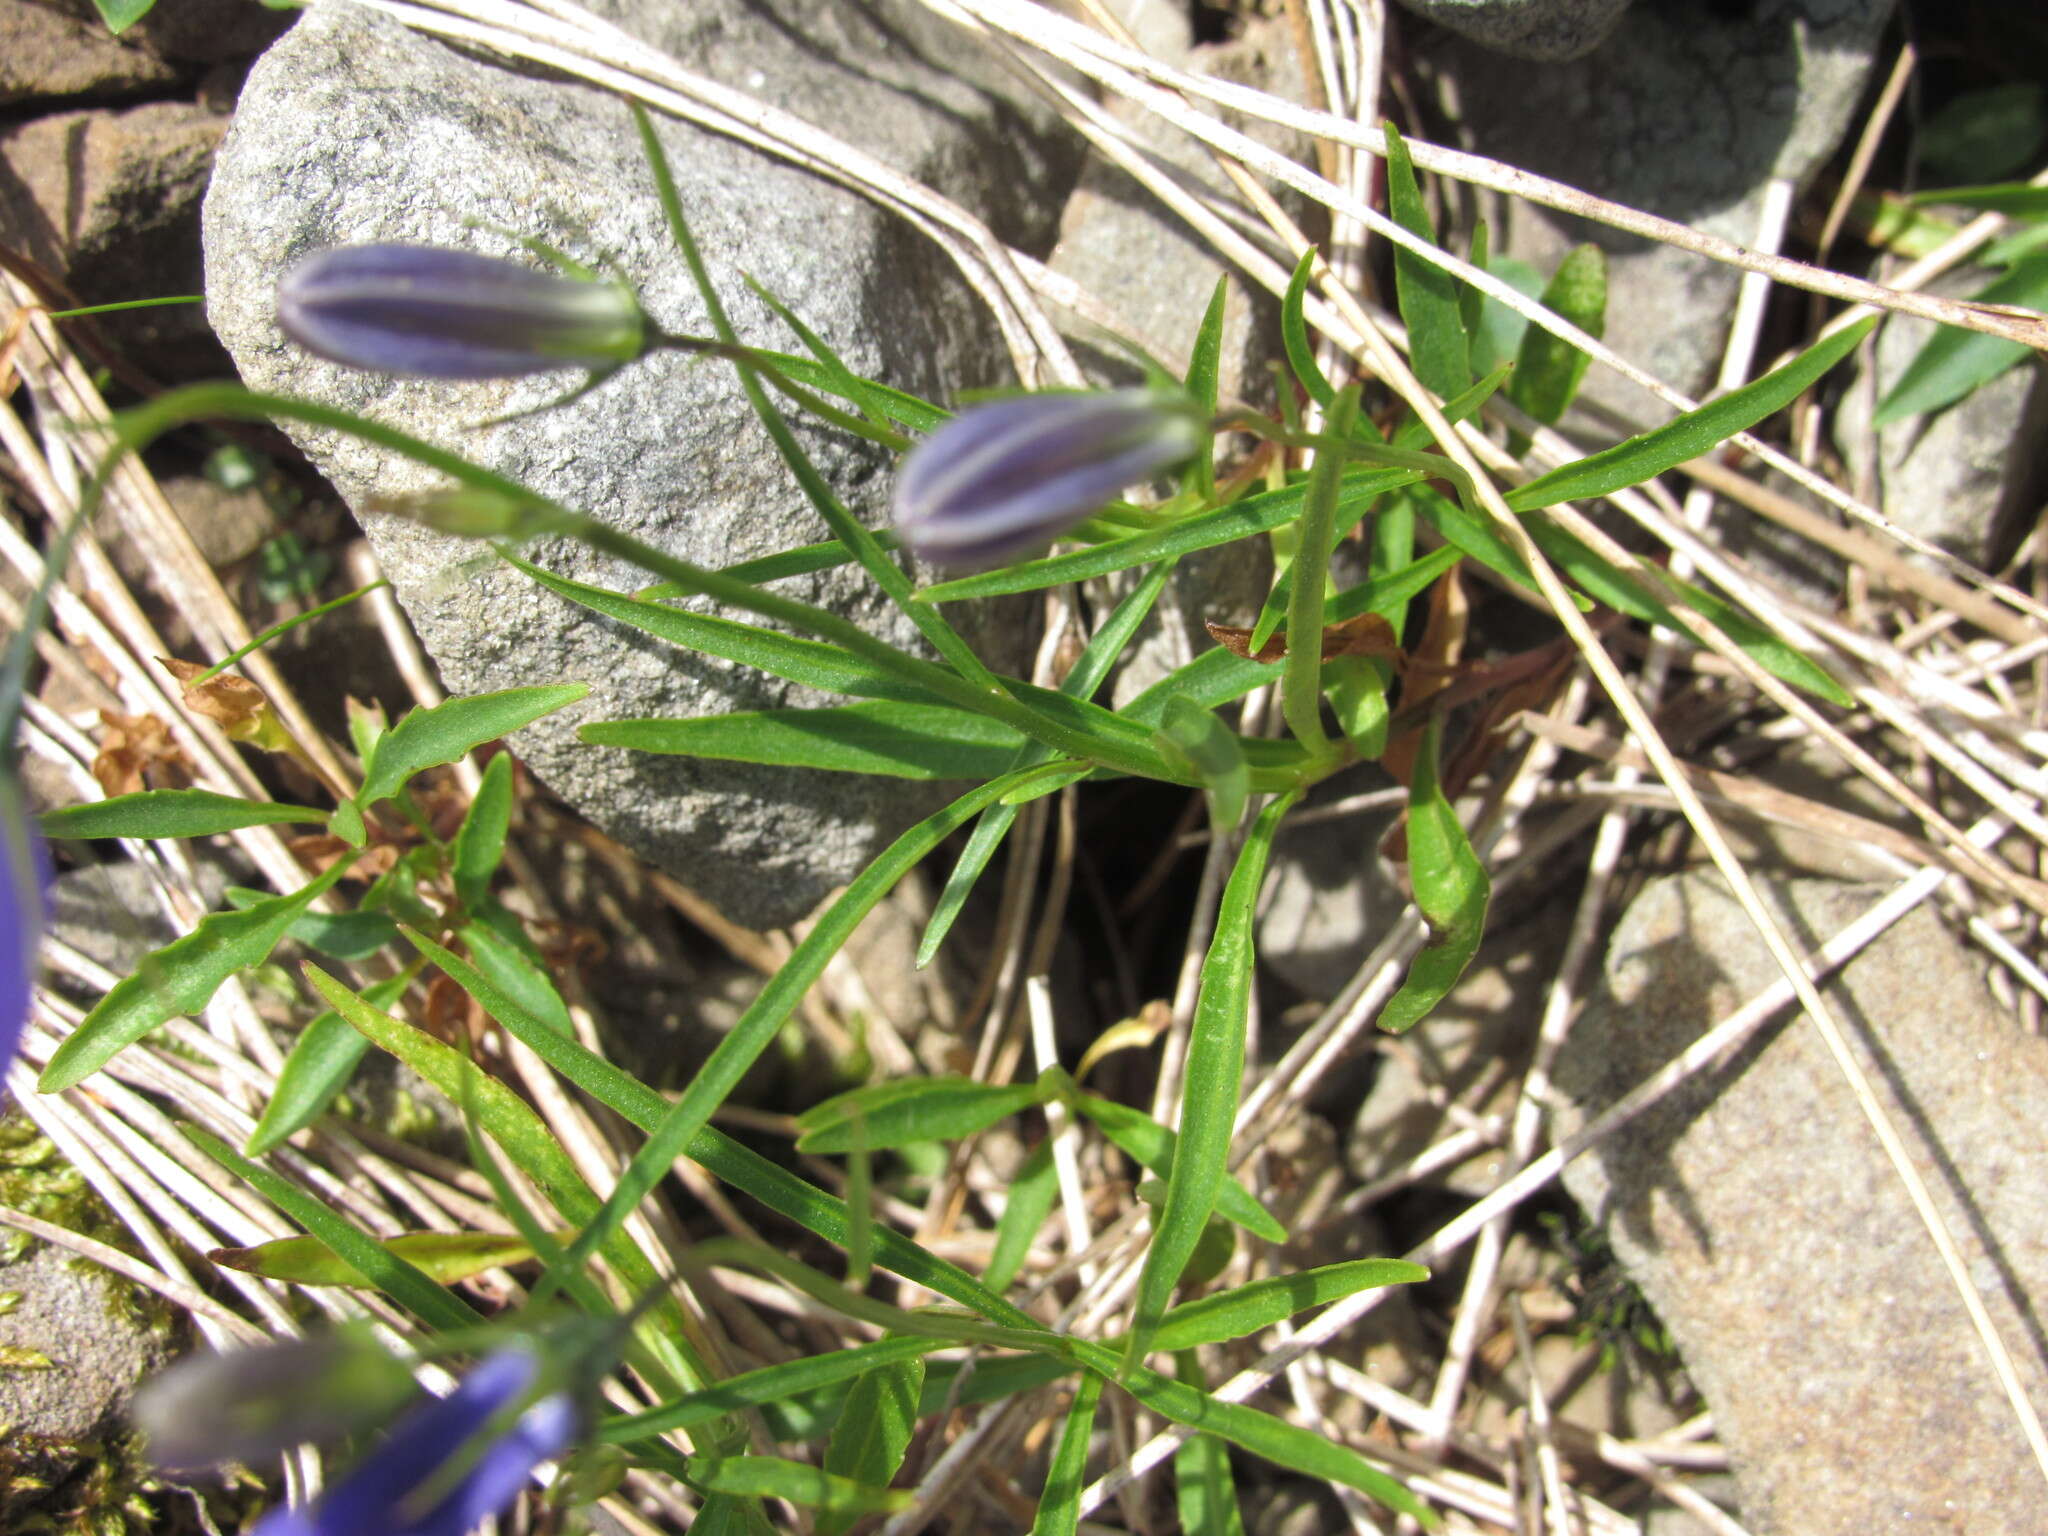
x: 427, y: 312
x: 1008, y: 476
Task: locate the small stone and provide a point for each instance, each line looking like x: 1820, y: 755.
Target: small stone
x: 79, y: 1319
x: 1527, y: 29
x: 49, y: 55
x: 1768, y: 1230
x: 228, y: 526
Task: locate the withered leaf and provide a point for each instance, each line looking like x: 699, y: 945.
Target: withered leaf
x: 1367, y: 635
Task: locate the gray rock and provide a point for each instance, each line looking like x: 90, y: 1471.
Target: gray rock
x: 1329, y: 892
x: 352, y: 130
x: 46, y: 55
x: 1687, y: 110
x: 81, y: 1322
x: 1762, y: 1221
x: 108, y: 202
x: 1527, y: 29
x: 1970, y: 477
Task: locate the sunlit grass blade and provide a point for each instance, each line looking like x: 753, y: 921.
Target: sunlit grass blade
x: 1302, y: 675
x: 773, y: 1477
x: 895, y: 1114
x: 1294, y: 337
x: 873, y: 1433
x: 1029, y: 1199
x: 1151, y: 1146
x: 1210, y: 1082
x: 1298, y: 1450
x: 170, y: 813
x: 371, y: 1260
x: 1548, y: 368
x: 480, y: 841
x: 1428, y: 295
x: 775, y: 1187
x: 180, y: 978
x: 1451, y: 889
x: 845, y: 382
x: 1205, y: 364
x: 1244, y: 1310
x: 1203, y: 1490
x: 447, y: 1258
x: 1059, y: 1505
x: 1205, y: 530
x: 1954, y: 362
x: 883, y: 736
x: 322, y: 1061
x: 769, y: 1384
x: 1690, y: 435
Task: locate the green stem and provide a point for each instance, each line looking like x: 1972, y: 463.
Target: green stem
x: 1302, y: 682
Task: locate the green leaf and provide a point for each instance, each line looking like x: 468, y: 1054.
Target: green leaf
x: 772, y: 1477
x: 178, y: 979
x: 1690, y: 435
x: 1299, y: 1450
x: 1437, y: 346
x: 1205, y: 366
x: 322, y: 1061
x: 1497, y: 339
x: 874, y: 1431
x: 429, y: 738
x: 1451, y: 889
x: 170, y: 813
x: 1205, y: 530
x: 372, y: 1262
x: 1775, y: 656
x: 1548, y: 368
x: 1029, y: 1199
x: 813, y: 663
x: 1239, y: 1313
x: 513, y: 969
x: 769, y: 1384
x: 1059, y: 1504
x: 722, y: 1157
x: 881, y: 736
x: 338, y: 935
x: 1301, y: 352
x: 2015, y: 199
x: 1151, y: 1145
x: 1472, y: 301
x: 1209, y: 1089
x: 1954, y: 362
x: 480, y: 841
x: 1988, y: 132
x: 1202, y: 1485
x: 1301, y: 688
x: 920, y: 1109
x: 120, y: 15
x: 445, y: 1257
x: 1211, y: 750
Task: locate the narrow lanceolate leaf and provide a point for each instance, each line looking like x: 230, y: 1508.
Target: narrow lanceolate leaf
x: 447, y: 1257
x: 396, y: 1277
x: 1151, y: 1146
x: 769, y: 1384
x: 1205, y: 367
x: 873, y: 1432
x: 480, y: 842
x: 120, y: 15
x: 1428, y: 295
x: 429, y: 738
x: 1211, y: 750
x: 817, y: 1212
x: 178, y: 979
x: 1451, y: 889
x: 1301, y: 352
x: 322, y: 1061
x: 1209, y: 1093
x: 895, y: 1114
x: 1549, y: 368
x: 1031, y: 1196
x: 1283, y: 1444
x: 1236, y: 1314
x: 882, y: 736
x: 497, y: 949
x: 1203, y: 1488
x: 171, y: 813
x: 1690, y: 435
x: 1954, y: 362
x: 1059, y: 1506
x: 771, y: 1477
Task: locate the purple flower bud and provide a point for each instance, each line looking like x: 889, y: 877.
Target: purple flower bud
x: 432, y: 313
x: 1013, y: 474
x: 401, y: 1488
x: 24, y: 879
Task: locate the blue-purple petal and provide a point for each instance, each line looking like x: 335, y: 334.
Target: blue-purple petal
x: 24, y: 883
x: 428, y: 312
x: 543, y: 1432
x: 1008, y: 476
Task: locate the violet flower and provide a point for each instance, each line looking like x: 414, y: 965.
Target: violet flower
x: 1013, y: 474
x: 24, y: 880
x: 437, y: 1473
x: 428, y: 312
